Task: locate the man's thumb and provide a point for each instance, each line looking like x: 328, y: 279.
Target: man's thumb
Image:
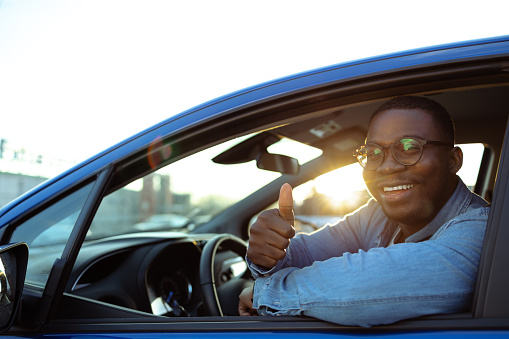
x: 286, y: 203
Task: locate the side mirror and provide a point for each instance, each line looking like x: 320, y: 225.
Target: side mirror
x: 13, y: 265
x: 277, y: 163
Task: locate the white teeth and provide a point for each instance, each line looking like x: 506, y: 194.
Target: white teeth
x: 398, y: 188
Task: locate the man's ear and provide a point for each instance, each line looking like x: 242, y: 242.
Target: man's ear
x: 456, y: 160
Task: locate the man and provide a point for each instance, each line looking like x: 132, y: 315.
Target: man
x: 412, y: 250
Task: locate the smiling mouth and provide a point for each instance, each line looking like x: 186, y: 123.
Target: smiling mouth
x: 395, y: 189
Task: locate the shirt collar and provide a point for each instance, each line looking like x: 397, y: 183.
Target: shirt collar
x: 457, y: 204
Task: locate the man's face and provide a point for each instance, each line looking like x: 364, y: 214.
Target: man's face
x: 411, y: 195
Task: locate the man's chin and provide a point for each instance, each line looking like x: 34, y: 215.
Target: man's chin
x: 413, y: 216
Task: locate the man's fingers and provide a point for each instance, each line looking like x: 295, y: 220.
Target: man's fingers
x: 286, y: 203
x: 265, y: 261
x: 265, y: 254
x: 245, y: 312
x: 246, y: 302
x: 278, y: 236
x: 271, y: 221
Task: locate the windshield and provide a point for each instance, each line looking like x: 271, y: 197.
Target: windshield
x: 188, y: 193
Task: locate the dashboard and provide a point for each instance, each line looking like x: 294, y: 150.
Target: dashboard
x: 157, y: 273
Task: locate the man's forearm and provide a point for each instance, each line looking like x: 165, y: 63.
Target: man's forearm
x: 380, y: 286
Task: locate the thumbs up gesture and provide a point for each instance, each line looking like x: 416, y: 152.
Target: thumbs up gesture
x: 271, y: 233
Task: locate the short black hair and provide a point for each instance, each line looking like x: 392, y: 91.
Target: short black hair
x: 437, y: 112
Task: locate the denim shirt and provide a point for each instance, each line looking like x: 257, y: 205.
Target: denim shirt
x: 346, y: 274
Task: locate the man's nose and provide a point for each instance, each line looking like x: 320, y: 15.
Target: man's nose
x: 390, y: 164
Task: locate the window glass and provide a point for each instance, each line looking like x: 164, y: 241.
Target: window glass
x: 472, y: 157
x: 47, y: 232
x: 188, y: 193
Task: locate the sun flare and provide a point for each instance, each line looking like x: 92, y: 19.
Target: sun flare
x: 342, y: 184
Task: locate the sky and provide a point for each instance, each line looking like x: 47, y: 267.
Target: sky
x: 79, y: 76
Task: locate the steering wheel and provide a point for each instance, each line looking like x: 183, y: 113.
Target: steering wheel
x: 225, y: 294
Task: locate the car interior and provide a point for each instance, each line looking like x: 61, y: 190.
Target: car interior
x: 192, y: 276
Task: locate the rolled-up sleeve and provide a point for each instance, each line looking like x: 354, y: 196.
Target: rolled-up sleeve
x: 382, y: 285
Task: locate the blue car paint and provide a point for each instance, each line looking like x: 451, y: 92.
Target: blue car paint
x: 280, y: 335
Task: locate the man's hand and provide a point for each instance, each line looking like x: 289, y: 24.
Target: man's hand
x: 271, y: 233
x: 246, y: 302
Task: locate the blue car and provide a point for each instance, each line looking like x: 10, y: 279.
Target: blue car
x: 75, y: 263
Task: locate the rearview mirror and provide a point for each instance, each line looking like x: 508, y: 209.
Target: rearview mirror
x: 13, y: 264
x: 277, y: 163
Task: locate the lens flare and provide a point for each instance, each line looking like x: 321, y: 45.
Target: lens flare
x: 158, y: 152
